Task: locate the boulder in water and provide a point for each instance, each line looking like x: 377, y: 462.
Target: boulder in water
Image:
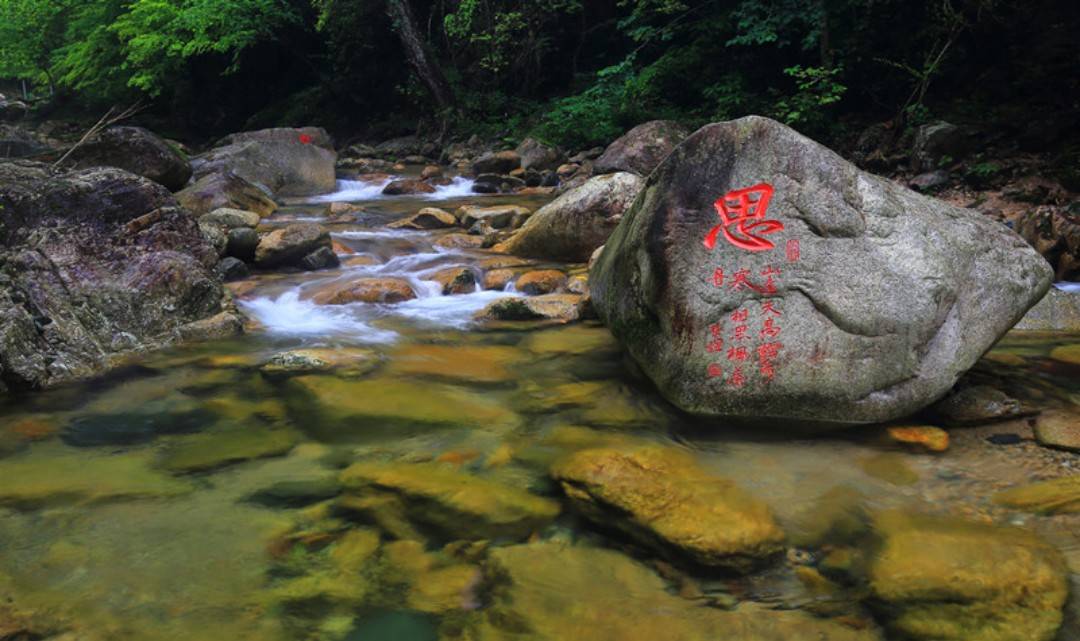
x: 536, y: 155
x: 498, y: 162
x: 760, y: 275
x: 230, y: 218
x: 286, y: 168
x: 642, y: 148
x: 407, y: 187
x: 225, y: 189
x: 571, y: 227
x: 367, y: 290
x: 289, y: 246
x: 426, y: 218
x: 541, y: 281
x: 304, y: 135
x: 137, y: 150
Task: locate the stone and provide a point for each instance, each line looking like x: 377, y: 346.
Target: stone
x: 536, y: 155
x: 541, y: 281
x: 663, y: 499
x: 230, y: 218
x: 458, y: 505
x: 936, y: 142
x: 241, y: 243
x: 303, y: 135
x: 977, y: 404
x: 404, y: 146
x: 885, y: 296
x: 212, y: 450
x: 12, y: 110
x: 345, y: 362
x: 1058, y: 311
x: 1056, y: 496
x: 1054, y: 233
x: 498, y: 217
x: 1068, y: 354
x: 459, y: 241
x: 225, y: 189
x: 426, y: 218
x: 337, y: 405
x: 575, y: 224
x: 497, y: 279
x: 385, y: 290
x: 927, y: 437
x: 455, y: 280
x: 133, y: 427
x: 94, y: 263
x: 226, y: 324
x: 571, y: 339
x: 230, y: 269
x: 457, y: 363
x: 501, y: 162
x: 555, y: 592
x: 559, y: 307
x: 215, y: 235
x: 942, y: 579
x: 1059, y: 429
x: 930, y: 181
x: 321, y: 258
x: 284, y: 167
x: 407, y: 187
x: 431, y: 171
x: 289, y: 245
x: 16, y: 142
x: 136, y: 150
x: 641, y: 149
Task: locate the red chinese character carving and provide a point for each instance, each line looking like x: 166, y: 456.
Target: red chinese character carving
x: 767, y: 308
x: 716, y: 346
x: 745, y: 210
x: 305, y: 139
x: 716, y: 329
x: 714, y: 371
x: 767, y: 352
x: 740, y: 315
x: 737, y: 379
x: 739, y: 280
x: 718, y: 277
x: 737, y: 354
x: 740, y: 333
x: 770, y: 286
x: 769, y: 330
x: 793, y: 250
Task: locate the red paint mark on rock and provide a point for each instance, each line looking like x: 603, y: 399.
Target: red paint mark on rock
x: 742, y: 219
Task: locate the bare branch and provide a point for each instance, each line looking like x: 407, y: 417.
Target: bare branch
x: 110, y: 118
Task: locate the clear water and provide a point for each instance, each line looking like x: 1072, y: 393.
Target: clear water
x: 110, y: 540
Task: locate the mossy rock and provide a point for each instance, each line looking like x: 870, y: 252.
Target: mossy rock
x: 1057, y: 496
x: 476, y: 364
x: 661, y: 497
x: 453, y: 503
x: 943, y: 579
x: 572, y: 339
x: 1067, y: 354
x: 202, y: 452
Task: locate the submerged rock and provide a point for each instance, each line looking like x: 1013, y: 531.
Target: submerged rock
x: 641, y: 149
x: 212, y: 450
x: 839, y: 298
x: 939, y: 579
x: 225, y: 189
x: 136, y: 150
x: 659, y: 496
x: 1056, y: 496
x: 343, y: 361
x: 455, y: 504
x: 1059, y: 429
x: 130, y: 428
x: 555, y: 592
x: 93, y: 263
x: 572, y: 226
x: 462, y: 363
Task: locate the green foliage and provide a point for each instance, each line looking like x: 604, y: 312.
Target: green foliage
x: 816, y: 89
x: 593, y: 116
x: 29, y: 31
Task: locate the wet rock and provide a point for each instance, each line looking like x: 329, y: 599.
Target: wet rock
x: 1059, y: 429
x: 497, y: 279
x: 455, y: 504
x: 498, y: 217
x: 561, y: 307
x: 366, y: 290
x: 496, y: 184
x: 1056, y: 496
x: 426, y: 218
x: 285, y: 167
x: 927, y: 437
x: 130, y: 428
x: 536, y: 155
x: 88, y: 256
x: 241, y: 243
x: 641, y: 149
x: 901, y: 319
x: 393, y: 404
x: 501, y: 162
x: 947, y: 580
x: 230, y: 269
x: 298, y: 493
x: 212, y: 450
x: 1004, y: 438
x: 431, y: 171
x: 303, y: 135
x: 977, y: 404
x: 661, y: 497
x: 345, y: 362
x: 289, y: 245
x: 1054, y: 233
x: 571, y: 339
x: 216, y: 236
x: 48, y: 477
x: 1068, y: 354
x: 137, y: 150
x: 576, y: 223
x: 1058, y: 311
x: 455, y: 280
x: 459, y: 363
x: 937, y: 142
x: 541, y: 281
x: 615, y: 598
x: 230, y: 218
x: 321, y: 258
x: 459, y: 241
x: 226, y: 324
x: 225, y: 189
x: 407, y: 187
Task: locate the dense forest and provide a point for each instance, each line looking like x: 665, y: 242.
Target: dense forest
x: 571, y: 72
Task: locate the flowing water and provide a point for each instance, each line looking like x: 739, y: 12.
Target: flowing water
x: 142, y: 505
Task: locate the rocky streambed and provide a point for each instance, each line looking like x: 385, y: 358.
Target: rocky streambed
x: 422, y: 436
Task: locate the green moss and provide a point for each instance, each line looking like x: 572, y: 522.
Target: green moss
x: 212, y: 450
x: 1058, y: 496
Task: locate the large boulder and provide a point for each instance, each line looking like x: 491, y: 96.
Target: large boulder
x: 137, y: 150
x: 285, y: 167
x: 93, y: 263
x: 291, y: 245
x: 497, y: 162
x: 305, y: 135
x: 572, y: 226
x: 225, y: 189
x: 642, y: 148
x: 846, y: 298
x: 16, y: 142
x: 536, y: 155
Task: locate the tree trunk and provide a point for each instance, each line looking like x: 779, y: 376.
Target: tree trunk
x: 405, y: 23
